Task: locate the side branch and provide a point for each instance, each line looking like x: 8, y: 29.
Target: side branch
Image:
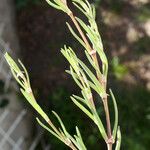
x: 89, y: 48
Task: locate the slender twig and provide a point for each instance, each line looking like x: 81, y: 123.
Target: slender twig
x: 99, y: 82
x: 70, y: 144
x: 100, y: 78
x: 89, y: 48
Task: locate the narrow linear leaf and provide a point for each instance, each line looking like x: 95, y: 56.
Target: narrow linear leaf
x: 73, y: 141
x: 93, y: 11
x: 78, y: 132
x: 82, y: 10
x: 86, y: 97
x: 82, y: 4
x: 34, y: 104
x: 95, y: 88
x: 21, y: 83
x: 92, y: 77
x: 12, y: 63
x: 81, y: 140
x: 79, y: 98
x: 92, y: 63
x: 48, y: 129
x: 83, y: 25
x: 116, y: 114
x: 118, y: 144
x: 81, y: 146
x: 90, y: 59
x: 82, y: 108
x: 25, y: 71
x: 75, y: 35
x: 76, y: 78
x: 61, y: 123
x: 53, y: 5
x: 99, y: 123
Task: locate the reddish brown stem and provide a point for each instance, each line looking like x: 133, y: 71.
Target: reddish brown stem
x: 89, y: 48
x: 106, y: 108
x: 80, y: 31
x: 100, y: 78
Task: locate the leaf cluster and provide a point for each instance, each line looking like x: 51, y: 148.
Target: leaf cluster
x: 87, y: 80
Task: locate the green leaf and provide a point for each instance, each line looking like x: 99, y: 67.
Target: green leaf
x: 12, y: 63
x: 80, y: 8
x: 34, y: 104
x: 119, y: 70
x: 49, y: 130
x: 116, y: 114
x: 53, y: 5
x: 95, y: 39
x: 71, y: 57
x: 82, y: 4
x: 118, y: 144
x: 60, y: 5
x: 75, y: 35
x: 92, y: 77
x: 25, y: 71
x: 84, y: 7
x: 79, y: 98
x: 92, y: 62
x: 85, y: 94
x: 82, y: 145
x: 17, y: 79
x: 95, y: 88
x: 93, y: 11
x: 99, y: 123
x: 82, y: 108
x: 76, y: 78
x: 78, y: 132
x: 83, y: 25
x: 61, y: 123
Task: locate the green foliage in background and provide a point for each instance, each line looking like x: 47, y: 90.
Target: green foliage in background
x: 135, y: 106
x: 119, y: 70
x: 143, y: 14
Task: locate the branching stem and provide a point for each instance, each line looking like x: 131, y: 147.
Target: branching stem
x: 89, y: 48
x: 58, y: 133
x: 100, y: 78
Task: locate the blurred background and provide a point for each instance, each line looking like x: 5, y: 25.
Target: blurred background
x: 35, y: 32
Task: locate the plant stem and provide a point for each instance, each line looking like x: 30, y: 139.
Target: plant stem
x: 89, y: 48
x: 80, y: 31
x: 59, y: 134
x: 109, y: 146
x: 106, y: 108
x: 72, y: 146
x: 100, y: 78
